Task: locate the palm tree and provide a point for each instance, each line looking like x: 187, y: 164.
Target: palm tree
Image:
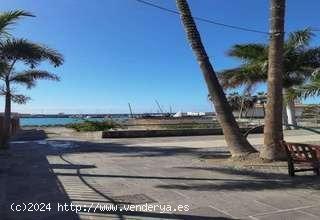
x: 7, y: 20
x: 234, y: 100
x: 300, y: 61
x: 237, y: 144
x: 13, y: 51
x: 262, y: 100
x: 273, y: 134
x: 242, y: 103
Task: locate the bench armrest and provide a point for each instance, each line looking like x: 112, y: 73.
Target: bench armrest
x: 316, y: 148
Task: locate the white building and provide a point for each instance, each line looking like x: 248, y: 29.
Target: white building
x: 258, y: 111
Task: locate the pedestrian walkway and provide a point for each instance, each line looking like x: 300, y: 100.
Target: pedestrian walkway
x: 119, y: 179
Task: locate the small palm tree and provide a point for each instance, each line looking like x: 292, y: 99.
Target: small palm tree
x: 242, y: 103
x: 300, y: 61
x: 262, y: 100
x: 7, y: 20
x: 13, y: 51
x: 234, y: 100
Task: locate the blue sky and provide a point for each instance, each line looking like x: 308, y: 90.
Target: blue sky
x: 120, y: 51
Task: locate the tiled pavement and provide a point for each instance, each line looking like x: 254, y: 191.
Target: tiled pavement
x: 158, y: 171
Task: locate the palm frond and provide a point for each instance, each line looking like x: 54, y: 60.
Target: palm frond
x: 3, y: 68
x: 300, y: 62
x: 310, y: 58
x: 309, y: 89
x: 243, y: 75
x: 54, y: 57
x: 291, y: 94
x: 316, y: 73
x: 20, y: 99
x: 295, y: 78
x: 28, y: 52
x: 300, y: 38
x: 2, y: 90
x: 29, y: 77
x: 312, y: 89
x: 249, y: 52
x: 20, y: 49
x: 10, y: 18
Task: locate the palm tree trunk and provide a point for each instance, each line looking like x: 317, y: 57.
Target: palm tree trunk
x: 253, y: 112
x: 238, y: 145
x: 241, y: 107
x: 285, y: 123
x: 273, y: 132
x: 291, y: 113
x: 263, y: 110
x: 7, y: 118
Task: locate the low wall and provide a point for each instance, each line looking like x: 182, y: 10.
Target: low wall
x: 166, y: 133
x: 92, y: 135
x: 15, y: 125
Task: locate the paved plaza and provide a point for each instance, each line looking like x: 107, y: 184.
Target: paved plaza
x: 172, y: 176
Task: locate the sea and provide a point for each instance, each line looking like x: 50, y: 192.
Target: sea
x: 49, y: 121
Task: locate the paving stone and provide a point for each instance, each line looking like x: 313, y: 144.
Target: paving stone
x: 291, y: 215
x: 208, y: 212
x: 285, y: 201
x: 313, y: 210
x: 165, y: 171
x: 133, y: 199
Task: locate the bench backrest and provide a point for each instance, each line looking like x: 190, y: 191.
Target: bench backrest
x: 302, y: 152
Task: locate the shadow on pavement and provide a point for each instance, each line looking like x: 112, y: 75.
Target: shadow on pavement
x: 29, y: 183
x: 251, y: 180
x: 29, y: 177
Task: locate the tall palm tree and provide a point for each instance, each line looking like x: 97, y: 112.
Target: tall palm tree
x: 273, y: 134
x: 237, y: 144
x: 13, y: 51
x: 300, y: 61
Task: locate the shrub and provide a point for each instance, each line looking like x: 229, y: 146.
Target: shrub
x: 93, y: 125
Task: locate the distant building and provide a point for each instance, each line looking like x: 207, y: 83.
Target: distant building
x: 182, y: 114
x: 259, y: 111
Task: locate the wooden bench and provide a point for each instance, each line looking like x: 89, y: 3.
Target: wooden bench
x: 305, y: 156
